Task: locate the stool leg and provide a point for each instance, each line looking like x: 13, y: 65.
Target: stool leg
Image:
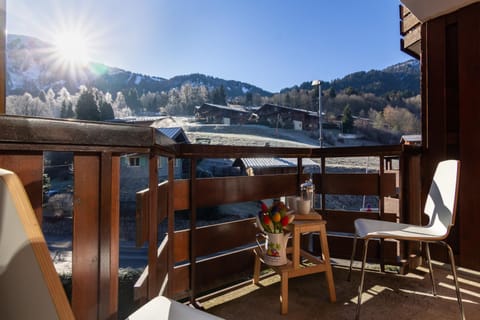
x: 326, y: 259
x: 256, y: 268
x: 284, y: 293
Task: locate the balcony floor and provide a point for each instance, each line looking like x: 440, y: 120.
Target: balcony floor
x: 388, y: 295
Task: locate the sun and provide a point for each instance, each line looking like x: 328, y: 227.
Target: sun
x: 72, y: 47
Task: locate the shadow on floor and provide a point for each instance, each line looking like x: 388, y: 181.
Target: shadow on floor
x: 386, y: 296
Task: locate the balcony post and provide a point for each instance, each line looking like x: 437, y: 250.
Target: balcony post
x: 109, y: 235
x: 153, y: 227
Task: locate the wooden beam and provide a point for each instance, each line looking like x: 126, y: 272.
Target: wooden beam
x: 85, y: 249
x: 152, y: 226
x: 172, y: 279
x: 109, y: 235
x: 408, y: 23
x: 75, y: 133
x: 28, y: 166
x: 193, y: 229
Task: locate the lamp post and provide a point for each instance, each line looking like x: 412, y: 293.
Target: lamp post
x: 320, y: 137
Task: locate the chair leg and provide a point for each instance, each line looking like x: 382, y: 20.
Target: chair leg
x: 362, y: 278
x: 349, y: 277
x: 429, y: 260
x: 455, y: 279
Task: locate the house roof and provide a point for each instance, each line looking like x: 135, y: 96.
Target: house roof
x: 271, y: 105
x: 175, y: 133
x: 411, y: 139
x: 308, y: 112
x: 236, y: 108
x: 426, y: 10
x: 258, y: 163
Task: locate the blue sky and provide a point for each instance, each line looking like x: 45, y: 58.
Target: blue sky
x: 272, y: 44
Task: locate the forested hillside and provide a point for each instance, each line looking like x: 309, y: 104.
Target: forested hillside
x: 385, y: 99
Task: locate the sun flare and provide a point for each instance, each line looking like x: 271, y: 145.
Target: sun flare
x: 72, y: 47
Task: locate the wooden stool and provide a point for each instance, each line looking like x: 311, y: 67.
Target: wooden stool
x: 293, y: 268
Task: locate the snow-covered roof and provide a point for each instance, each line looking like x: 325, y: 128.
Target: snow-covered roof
x: 277, y: 163
x: 411, y: 138
x: 236, y: 108
x: 270, y: 105
x: 175, y: 133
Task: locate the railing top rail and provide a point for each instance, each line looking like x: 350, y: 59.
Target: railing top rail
x: 222, y: 151
x: 62, y: 132
x: 218, y: 151
x: 381, y: 150
x: 71, y: 135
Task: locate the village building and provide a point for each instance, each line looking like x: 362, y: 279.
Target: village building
x: 214, y: 113
x: 134, y: 170
x: 261, y: 166
x: 287, y: 118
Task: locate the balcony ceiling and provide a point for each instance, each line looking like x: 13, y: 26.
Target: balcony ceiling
x: 426, y: 10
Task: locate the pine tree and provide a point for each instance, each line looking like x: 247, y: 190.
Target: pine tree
x: 218, y: 96
x: 249, y: 98
x: 87, y: 108
x: 70, y: 113
x: 347, y: 120
x: 63, y: 110
x: 106, y: 111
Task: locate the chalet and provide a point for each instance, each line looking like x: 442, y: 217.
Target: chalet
x: 289, y: 118
x: 214, y: 113
x: 260, y: 166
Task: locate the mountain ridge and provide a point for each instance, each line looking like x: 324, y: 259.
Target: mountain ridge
x: 33, y: 67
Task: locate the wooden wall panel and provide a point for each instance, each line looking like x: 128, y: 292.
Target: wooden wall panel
x: 469, y: 101
x: 450, y: 100
x: 216, y: 238
x: 214, y: 273
x: 216, y: 191
x: 353, y: 184
x: 85, y: 264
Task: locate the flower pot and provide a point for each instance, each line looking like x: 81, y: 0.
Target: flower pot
x: 303, y: 206
x: 274, y: 251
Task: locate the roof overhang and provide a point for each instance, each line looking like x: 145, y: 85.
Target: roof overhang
x: 426, y: 10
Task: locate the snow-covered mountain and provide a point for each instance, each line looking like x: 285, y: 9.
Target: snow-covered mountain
x: 33, y: 66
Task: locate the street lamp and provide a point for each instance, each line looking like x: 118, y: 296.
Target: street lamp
x: 320, y: 137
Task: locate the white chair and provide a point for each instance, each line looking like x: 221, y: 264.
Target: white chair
x: 29, y: 284
x: 162, y: 308
x: 440, y: 207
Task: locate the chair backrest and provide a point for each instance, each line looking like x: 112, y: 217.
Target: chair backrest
x: 441, y: 202
x: 29, y: 285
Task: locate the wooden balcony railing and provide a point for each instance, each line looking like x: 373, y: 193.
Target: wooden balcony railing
x: 200, y: 259
x: 410, y: 30
x: 186, y: 262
